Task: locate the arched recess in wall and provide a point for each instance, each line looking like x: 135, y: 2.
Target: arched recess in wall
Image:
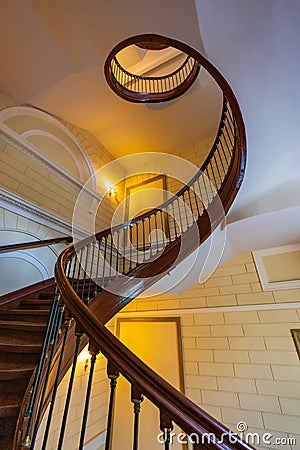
x: 22, y: 268
x: 27, y: 270
x: 45, y: 136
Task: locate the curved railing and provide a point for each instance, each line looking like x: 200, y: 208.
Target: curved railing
x: 98, y: 276
x: 138, y: 88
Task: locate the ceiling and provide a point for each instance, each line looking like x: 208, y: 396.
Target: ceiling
x: 52, y: 54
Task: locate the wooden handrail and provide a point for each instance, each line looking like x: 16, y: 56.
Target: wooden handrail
x: 225, y: 170
x: 149, y: 89
x: 35, y: 244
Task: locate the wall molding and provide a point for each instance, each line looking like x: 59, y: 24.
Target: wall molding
x: 14, y: 111
x: 31, y: 133
x: 222, y: 309
x: 16, y: 204
x: 17, y: 141
x: 279, y: 285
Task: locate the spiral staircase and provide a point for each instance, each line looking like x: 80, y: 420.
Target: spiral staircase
x: 100, y: 275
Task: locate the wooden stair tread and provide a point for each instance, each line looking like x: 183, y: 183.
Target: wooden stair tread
x: 18, y: 344
x: 25, y: 312
x: 7, y: 431
x: 34, y: 301
x: 15, y: 370
x: 24, y: 315
x: 23, y: 326
x: 9, y: 410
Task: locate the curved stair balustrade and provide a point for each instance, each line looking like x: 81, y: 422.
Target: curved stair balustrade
x: 149, y: 89
x: 98, y: 276
x: 35, y: 244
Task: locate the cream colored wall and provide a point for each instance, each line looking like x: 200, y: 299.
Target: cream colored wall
x: 240, y: 360
x: 240, y: 365
x: 235, y: 283
x: 21, y: 175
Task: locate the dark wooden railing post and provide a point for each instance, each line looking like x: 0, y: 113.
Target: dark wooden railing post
x: 136, y: 398
x: 166, y: 427
x: 112, y: 374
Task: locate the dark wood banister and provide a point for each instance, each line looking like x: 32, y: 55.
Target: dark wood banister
x: 144, y: 96
x: 35, y: 244
x: 105, y: 305
x: 184, y: 412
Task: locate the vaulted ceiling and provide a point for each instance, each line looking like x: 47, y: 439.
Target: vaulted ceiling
x: 52, y: 55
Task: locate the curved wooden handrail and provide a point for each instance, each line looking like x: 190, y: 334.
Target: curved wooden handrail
x: 225, y: 172
x: 149, y: 89
x: 35, y: 244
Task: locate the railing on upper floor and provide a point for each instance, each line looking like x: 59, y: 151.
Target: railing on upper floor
x: 98, y: 276
x: 150, y: 89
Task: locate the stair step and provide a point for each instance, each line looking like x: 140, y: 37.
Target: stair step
x: 22, y: 326
x: 17, y: 345
x: 15, y: 370
x: 13, y: 389
x: 24, y: 315
x: 35, y: 304
x: 17, y: 341
x: 48, y: 295
x: 9, y: 411
x: 7, y: 431
x: 24, y: 359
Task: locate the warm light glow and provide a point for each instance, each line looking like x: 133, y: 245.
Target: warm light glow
x: 84, y: 355
x: 112, y: 190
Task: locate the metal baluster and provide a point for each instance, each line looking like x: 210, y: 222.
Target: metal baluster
x: 209, y: 181
x: 174, y: 220
x: 118, y: 246
x: 54, y: 338
x: 168, y: 224
x: 124, y: 248
x: 68, y: 322
x: 213, y: 175
x: 84, y: 272
x: 162, y: 227
x: 136, y: 398
x: 91, y: 271
x: 180, y: 217
x: 104, y: 262
x: 137, y: 242
x: 196, y: 200
x: 230, y: 121
x: 78, y: 271
x: 97, y: 266
x: 204, y: 178
x: 156, y: 231
x: 185, y: 211
x: 110, y: 257
x: 220, y: 157
x: 191, y: 205
x: 150, y: 236
x: 199, y: 195
x: 217, y: 165
x: 93, y: 350
x: 38, y: 374
x: 130, y: 246
x: 74, y: 269
x: 112, y: 374
x: 144, y: 244
x: 78, y: 335
x: 231, y: 141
